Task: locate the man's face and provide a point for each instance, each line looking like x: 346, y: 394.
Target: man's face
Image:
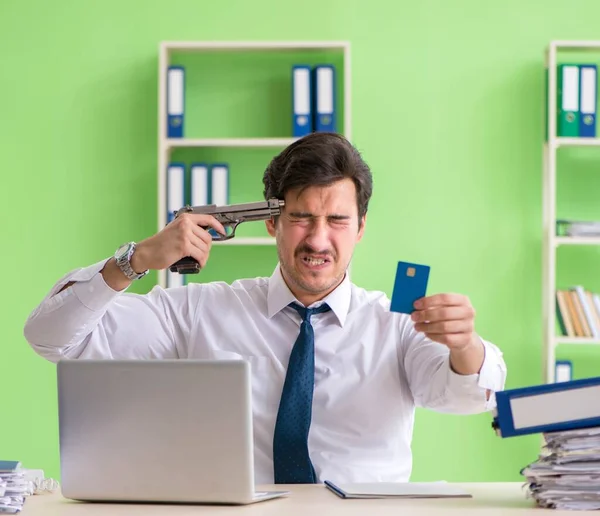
x: 316, y: 234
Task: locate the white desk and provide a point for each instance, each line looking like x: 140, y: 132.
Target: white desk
x: 501, y: 499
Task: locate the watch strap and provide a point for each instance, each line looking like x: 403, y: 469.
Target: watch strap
x: 123, y: 259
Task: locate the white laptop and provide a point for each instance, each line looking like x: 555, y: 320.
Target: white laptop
x: 176, y: 431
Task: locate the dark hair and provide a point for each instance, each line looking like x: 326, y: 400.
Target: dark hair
x: 319, y: 159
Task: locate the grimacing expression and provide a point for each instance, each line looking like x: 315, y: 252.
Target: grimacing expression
x: 316, y: 234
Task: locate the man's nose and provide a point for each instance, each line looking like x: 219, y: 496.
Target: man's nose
x: 318, y: 236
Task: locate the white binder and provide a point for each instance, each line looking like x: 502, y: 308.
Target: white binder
x: 199, y: 184
x: 219, y: 184
x: 174, y: 279
x: 302, y: 100
x: 325, y: 119
x: 564, y: 371
x: 175, y: 101
x: 175, y: 189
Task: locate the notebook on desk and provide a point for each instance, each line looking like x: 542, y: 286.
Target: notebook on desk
x: 397, y: 490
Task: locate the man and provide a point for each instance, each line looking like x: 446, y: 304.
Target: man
x: 334, y: 388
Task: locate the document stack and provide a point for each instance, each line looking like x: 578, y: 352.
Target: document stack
x: 567, y: 473
x: 17, y: 483
x: 14, y: 487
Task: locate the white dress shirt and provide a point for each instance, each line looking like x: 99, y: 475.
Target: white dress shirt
x: 371, y: 367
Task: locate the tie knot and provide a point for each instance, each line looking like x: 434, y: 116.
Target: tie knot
x: 305, y: 313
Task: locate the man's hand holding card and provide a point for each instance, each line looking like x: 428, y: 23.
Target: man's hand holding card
x: 445, y: 318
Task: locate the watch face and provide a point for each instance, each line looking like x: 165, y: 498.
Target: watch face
x: 122, y: 250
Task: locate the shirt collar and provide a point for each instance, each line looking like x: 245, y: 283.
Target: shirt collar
x: 279, y: 296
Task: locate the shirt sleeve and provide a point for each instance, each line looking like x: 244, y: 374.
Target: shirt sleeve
x: 91, y: 320
x: 435, y: 385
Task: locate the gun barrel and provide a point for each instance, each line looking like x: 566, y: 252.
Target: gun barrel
x: 247, y: 211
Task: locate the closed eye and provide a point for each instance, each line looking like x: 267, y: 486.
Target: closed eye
x: 307, y: 216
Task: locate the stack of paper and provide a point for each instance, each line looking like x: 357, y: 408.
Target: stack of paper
x: 14, y: 487
x: 567, y: 472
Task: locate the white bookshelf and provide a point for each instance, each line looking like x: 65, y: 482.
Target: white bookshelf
x: 551, y: 242
x: 167, y: 145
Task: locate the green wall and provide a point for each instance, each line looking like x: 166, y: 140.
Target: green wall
x: 447, y: 109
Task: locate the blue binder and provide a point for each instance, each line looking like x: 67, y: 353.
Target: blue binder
x: 563, y: 371
x: 218, y: 184
x: 175, y: 101
x: 550, y: 410
x: 199, y: 184
x: 324, y: 98
x: 218, y: 187
x: 175, y: 189
x: 302, y: 100
x: 587, y: 100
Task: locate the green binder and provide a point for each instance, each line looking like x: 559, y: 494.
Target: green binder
x: 567, y: 93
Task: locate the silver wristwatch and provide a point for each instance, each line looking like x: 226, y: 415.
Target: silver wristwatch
x: 123, y: 258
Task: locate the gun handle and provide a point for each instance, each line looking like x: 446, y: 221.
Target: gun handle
x: 186, y: 265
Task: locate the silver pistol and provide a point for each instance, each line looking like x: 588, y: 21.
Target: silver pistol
x: 230, y: 216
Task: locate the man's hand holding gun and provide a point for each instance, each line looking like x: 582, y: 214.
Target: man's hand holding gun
x: 184, y: 244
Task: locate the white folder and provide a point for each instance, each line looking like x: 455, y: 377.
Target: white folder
x: 175, y: 189
x: 199, y: 184
x: 219, y: 184
x: 174, y: 279
x: 175, y: 101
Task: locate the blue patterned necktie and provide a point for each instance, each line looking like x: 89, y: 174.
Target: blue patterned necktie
x: 291, y: 460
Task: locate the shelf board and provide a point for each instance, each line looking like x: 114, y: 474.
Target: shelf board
x: 576, y: 142
x: 247, y: 241
x: 172, y: 143
x: 576, y: 45
x: 577, y: 340
x: 181, y: 46
x: 568, y: 240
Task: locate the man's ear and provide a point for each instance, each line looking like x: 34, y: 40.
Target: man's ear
x: 270, y: 223
x: 361, y: 229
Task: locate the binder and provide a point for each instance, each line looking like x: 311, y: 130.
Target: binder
x: 175, y: 189
x: 174, y: 279
x: 563, y: 371
x: 199, y: 184
x: 588, y: 100
x: 548, y: 408
x: 219, y: 184
x: 302, y: 100
x: 568, y: 100
x: 324, y: 110
x: 175, y: 101
x: 219, y: 187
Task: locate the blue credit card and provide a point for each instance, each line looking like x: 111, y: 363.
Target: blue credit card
x: 410, y: 285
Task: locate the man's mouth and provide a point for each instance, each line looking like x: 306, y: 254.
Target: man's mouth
x: 315, y: 261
